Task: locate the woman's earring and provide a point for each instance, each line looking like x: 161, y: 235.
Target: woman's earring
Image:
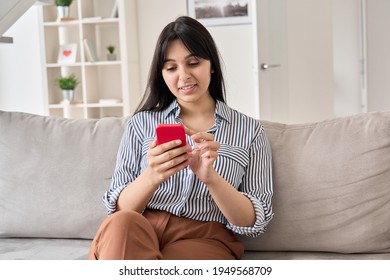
x: 212, y: 71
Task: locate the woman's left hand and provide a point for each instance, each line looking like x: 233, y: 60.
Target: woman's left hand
x: 203, y: 156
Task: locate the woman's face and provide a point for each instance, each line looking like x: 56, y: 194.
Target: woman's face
x: 187, y: 76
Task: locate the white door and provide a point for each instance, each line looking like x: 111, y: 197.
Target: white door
x: 272, y: 56
x: 296, y: 40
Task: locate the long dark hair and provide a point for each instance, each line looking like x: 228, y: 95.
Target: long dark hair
x: 199, y: 42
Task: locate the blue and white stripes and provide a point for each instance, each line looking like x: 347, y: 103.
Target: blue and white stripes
x: 244, y: 160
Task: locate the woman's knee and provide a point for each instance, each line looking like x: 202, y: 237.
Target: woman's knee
x: 125, y: 217
x: 130, y: 222
x: 125, y: 235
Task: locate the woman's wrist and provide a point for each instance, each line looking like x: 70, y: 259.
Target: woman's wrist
x: 150, y: 179
x: 213, y: 179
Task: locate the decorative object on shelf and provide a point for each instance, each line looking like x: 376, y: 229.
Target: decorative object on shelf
x: 63, y: 11
x: 67, y: 84
x: 90, y: 51
x: 67, y: 53
x: 111, y: 55
x: 216, y: 12
x: 114, y: 12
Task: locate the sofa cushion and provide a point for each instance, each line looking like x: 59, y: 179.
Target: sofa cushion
x: 274, y: 255
x: 44, y: 249
x: 331, y: 186
x: 53, y: 173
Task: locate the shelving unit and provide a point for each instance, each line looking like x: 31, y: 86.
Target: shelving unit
x: 104, y: 85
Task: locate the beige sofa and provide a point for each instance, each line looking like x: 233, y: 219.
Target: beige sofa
x: 331, y: 184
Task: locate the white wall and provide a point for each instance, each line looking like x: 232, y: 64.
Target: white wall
x: 347, y: 57
x: 310, y: 60
x: 21, y: 80
x: 378, y: 58
x: 152, y: 18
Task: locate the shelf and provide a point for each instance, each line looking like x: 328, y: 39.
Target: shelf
x: 104, y: 79
x: 101, y: 105
x: 103, y: 63
x: 100, y: 21
x: 78, y: 64
x: 81, y: 105
x: 61, y: 106
x: 54, y: 65
x: 69, y: 23
x: 77, y: 22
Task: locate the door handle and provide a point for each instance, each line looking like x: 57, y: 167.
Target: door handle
x: 265, y: 66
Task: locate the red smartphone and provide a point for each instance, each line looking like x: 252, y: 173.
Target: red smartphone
x: 170, y: 132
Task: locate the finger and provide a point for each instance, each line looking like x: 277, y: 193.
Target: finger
x: 209, y: 155
x: 169, y: 168
x: 189, y: 131
x: 202, y: 136
x: 171, y: 171
x: 161, y: 161
x: 208, y: 145
x: 164, y: 172
x: 174, y: 162
x: 162, y: 148
x: 171, y: 157
x: 153, y: 144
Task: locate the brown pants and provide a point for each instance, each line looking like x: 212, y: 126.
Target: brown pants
x: 160, y: 235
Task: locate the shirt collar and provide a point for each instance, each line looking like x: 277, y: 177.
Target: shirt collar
x: 173, y: 108
x: 221, y: 110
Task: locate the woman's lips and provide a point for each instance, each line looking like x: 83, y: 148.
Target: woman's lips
x: 187, y: 88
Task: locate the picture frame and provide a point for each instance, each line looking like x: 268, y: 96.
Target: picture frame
x: 221, y: 12
x: 67, y: 53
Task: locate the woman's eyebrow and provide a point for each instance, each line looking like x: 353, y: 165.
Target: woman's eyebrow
x: 172, y: 60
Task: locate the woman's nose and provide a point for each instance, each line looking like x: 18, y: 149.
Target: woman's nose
x: 184, y: 75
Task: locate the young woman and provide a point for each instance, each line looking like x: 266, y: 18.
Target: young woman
x: 171, y: 201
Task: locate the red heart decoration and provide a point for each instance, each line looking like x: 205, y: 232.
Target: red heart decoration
x: 67, y: 52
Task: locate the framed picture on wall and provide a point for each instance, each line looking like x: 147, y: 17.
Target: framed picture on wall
x: 67, y: 53
x: 221, y: 12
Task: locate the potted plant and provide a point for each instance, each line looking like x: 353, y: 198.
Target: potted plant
x: 63, y: 8
x: 111, y: 55
x: 67, y: 84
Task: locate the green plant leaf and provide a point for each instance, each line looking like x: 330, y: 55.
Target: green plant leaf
x: 68, y: 82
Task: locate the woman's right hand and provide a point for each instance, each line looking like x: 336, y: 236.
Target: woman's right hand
x: 163, y: 161
x: 167, y: 159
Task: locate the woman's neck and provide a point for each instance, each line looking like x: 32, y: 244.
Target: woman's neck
x: 199, y: 117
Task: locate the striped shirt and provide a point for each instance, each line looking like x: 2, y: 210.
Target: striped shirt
x: 244, y: 161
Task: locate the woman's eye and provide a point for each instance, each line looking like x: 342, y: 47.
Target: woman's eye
x: 170, y: 68
x: 194, y: 63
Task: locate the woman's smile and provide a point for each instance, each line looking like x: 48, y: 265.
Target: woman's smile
x: 187, y: 88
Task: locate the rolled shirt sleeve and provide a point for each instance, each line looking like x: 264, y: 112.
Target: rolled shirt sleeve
x: 127, y: 166
x: 257, y: 186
